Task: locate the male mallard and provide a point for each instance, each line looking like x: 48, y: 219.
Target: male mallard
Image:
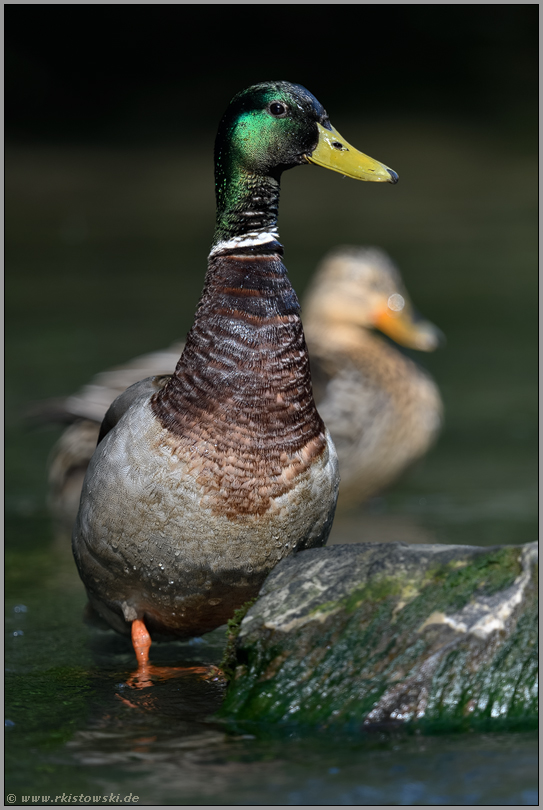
x: 202, y: 482
x: 382, y: 410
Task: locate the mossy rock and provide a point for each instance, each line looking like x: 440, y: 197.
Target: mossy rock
x: 392, y: 633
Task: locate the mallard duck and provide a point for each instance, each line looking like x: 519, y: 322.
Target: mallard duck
x: 382, y: 410
x: 203, y: 481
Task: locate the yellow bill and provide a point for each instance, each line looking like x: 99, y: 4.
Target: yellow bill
x: 333, y: 152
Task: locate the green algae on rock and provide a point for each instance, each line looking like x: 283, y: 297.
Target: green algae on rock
x: 392, y: 633
x: 233, y: 627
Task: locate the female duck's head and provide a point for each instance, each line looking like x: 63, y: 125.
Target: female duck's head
x: 361, y: 287
x: 266, y: 129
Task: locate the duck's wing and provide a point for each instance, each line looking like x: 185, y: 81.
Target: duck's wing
x: 123, y: 402
x: 92, y: 401
x: 321, y: 374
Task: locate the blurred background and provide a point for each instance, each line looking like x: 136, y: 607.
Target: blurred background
x: 111, y: 114
x: 110, y: 122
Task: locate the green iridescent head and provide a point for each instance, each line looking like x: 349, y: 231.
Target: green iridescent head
x: 266, y: 129
x: 270, y: 127
x: 274, y: 126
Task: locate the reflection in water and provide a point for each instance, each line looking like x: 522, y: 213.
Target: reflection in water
x: 165, y: 756
x: 159, y: 736
x: 149, y: 675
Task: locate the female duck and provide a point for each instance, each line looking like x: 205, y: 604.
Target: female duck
x: 382, y: 410
x: 197, y: 488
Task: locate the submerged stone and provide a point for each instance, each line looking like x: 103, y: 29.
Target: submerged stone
x: 391, y: 633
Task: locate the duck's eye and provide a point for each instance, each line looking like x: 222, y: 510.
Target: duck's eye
x: 277, y: 109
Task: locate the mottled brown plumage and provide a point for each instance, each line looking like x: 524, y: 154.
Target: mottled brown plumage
x: 243, y: 387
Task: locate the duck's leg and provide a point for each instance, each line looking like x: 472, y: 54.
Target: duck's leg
x: 141, y: 641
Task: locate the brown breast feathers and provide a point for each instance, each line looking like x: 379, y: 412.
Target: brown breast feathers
x: 240, y: 404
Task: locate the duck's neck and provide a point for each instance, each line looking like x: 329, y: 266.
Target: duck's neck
x: 244, y: 374
x: 247, y: 206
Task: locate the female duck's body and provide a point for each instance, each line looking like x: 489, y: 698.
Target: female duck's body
x: 383, y: 411
x: 202, y: 482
